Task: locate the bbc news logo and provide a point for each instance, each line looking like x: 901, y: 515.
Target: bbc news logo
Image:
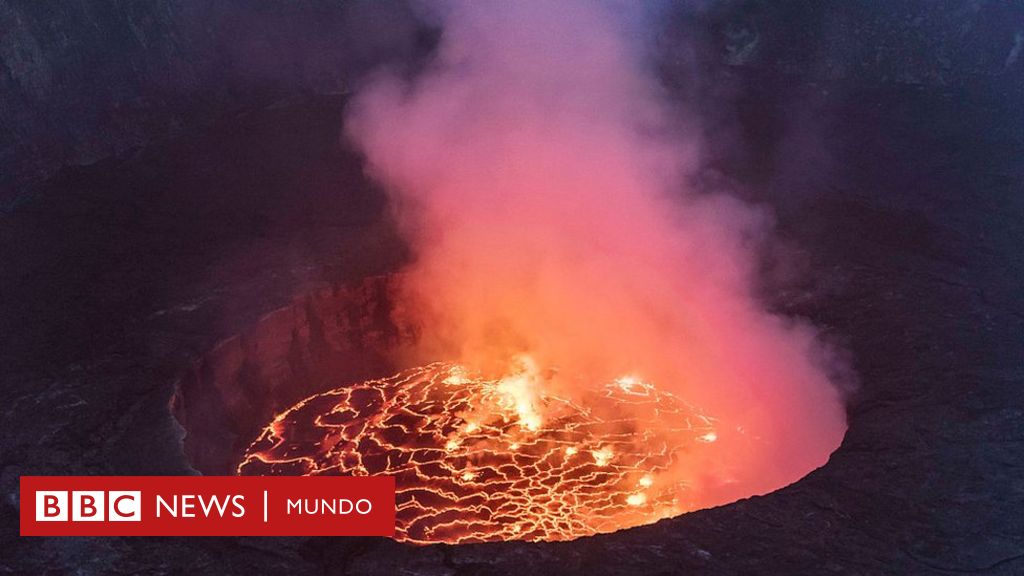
x: 89, y: 506
x: 207, y: 506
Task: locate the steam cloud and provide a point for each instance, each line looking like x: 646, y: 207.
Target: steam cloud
x: 541, y: 178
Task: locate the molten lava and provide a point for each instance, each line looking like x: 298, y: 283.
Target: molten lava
x: 480, y: 460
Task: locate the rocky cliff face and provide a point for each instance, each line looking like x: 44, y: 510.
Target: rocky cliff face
x: 82, y: 81
x: 903, y: 41
x: 333, y: 335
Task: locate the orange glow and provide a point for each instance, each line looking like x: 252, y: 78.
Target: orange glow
x: 586, y: 467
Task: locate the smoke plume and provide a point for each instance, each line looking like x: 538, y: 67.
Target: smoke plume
x: 541, y: 178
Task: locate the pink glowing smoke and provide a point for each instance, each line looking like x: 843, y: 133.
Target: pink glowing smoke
x: 540, y: 176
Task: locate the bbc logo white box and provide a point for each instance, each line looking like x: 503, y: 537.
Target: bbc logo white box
x: 88, y: 506
x: 51, y: 506
x: 124, y: 506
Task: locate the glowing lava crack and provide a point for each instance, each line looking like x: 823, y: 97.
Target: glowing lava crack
x: 475, y: 461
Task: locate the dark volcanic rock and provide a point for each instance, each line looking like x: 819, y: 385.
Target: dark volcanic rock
x: 81, y: 81
x: 904, y: 41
